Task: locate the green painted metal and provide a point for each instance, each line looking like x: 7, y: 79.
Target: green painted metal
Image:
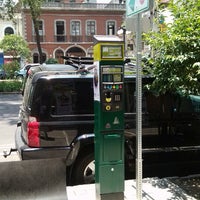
x: 109, y: 123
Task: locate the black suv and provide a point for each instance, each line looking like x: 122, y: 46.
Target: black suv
x: 57, y: 120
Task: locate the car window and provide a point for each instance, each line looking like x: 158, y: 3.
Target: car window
x: 62, y: 97
x: 130, y: 98
x: 27, y: 92
x: 189, y: 104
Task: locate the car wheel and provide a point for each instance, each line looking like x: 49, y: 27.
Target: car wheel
x: 84, y: 170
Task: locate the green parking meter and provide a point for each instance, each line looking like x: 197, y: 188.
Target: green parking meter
x: 109, y: 117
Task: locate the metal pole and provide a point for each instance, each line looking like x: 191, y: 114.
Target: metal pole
x: 124, y: 39
x: 139, y: 112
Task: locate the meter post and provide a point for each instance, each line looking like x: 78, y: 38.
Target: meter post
x: 109, y: 117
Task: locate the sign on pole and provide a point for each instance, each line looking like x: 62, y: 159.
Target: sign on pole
x: 136, y: 6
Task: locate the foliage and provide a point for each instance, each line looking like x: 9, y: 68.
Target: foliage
x: 176, y: 50
x: 15, y: 46
x: 10, y: 85
x: 10, y: 68
x: 7, y: 11
x: 51, y: 61
x: 35, y: 7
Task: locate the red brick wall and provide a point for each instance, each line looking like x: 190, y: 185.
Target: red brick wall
x: 49, y: 17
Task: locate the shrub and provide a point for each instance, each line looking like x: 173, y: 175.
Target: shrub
x: 10, y: 85
x: 51, y: 61
x: 10, y: 68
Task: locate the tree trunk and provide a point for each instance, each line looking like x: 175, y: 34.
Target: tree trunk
x: 38, y: 40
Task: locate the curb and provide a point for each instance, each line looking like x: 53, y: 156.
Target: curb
x: 10, y: 92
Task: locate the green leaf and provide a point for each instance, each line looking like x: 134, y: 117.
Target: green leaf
x: 176, y: 51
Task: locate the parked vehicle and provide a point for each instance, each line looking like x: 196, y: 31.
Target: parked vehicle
x: 2, y: 74
x: 57, y: 120
x: 21, y: 74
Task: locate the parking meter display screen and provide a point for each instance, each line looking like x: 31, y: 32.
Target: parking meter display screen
x: 117, y: 78
x: 112, y: 78
x: 112, y: 73
x: 112, y: 69
x: 107, y: 78
x: 111, y: 51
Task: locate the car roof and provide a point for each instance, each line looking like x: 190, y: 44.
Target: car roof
x: 45, y: 70
x: 52, y: 75
x: 32, y: 64
x: 53, y: 67
x: 55, y: 71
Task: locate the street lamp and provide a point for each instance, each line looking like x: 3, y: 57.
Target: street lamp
x: 122, y: 31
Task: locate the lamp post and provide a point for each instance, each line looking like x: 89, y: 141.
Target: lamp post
x: 122, y: 30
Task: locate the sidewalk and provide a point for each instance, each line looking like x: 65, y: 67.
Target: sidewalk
x: 153, y: 189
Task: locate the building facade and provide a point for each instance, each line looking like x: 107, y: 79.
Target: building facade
x: 7, y: 26
x: 67, y: 27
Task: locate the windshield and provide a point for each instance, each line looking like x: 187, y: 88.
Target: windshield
x: 63, y: 97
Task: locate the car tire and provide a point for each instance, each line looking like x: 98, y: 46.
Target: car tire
x: 84, y: 170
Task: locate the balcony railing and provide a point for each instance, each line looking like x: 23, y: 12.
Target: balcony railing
x: 89, y: 38
x: 84, y: 6
x: 76, y: 38
x: 66, y: 38
x: 42, y: 38
x: 60, y: 38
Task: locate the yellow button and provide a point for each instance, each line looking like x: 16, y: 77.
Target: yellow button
x: 108, y: 107
x: 108, y: 100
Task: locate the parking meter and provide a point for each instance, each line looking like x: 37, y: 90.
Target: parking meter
x: 109, y: 116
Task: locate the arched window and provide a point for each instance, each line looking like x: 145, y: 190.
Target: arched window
x: 76, y: 51
x: 58, y: 55
x: 36, y: 58
x: 8, y: 31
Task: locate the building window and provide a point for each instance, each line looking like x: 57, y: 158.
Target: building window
x: 36, y: 58
x: 41, y: 31
x: 90, y: 30
x: 8, y: 31
x: 75, y: 31
x: 60, y: 31
x: 110, y: 28
x: 76, y: 51
x: 58, y: 55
